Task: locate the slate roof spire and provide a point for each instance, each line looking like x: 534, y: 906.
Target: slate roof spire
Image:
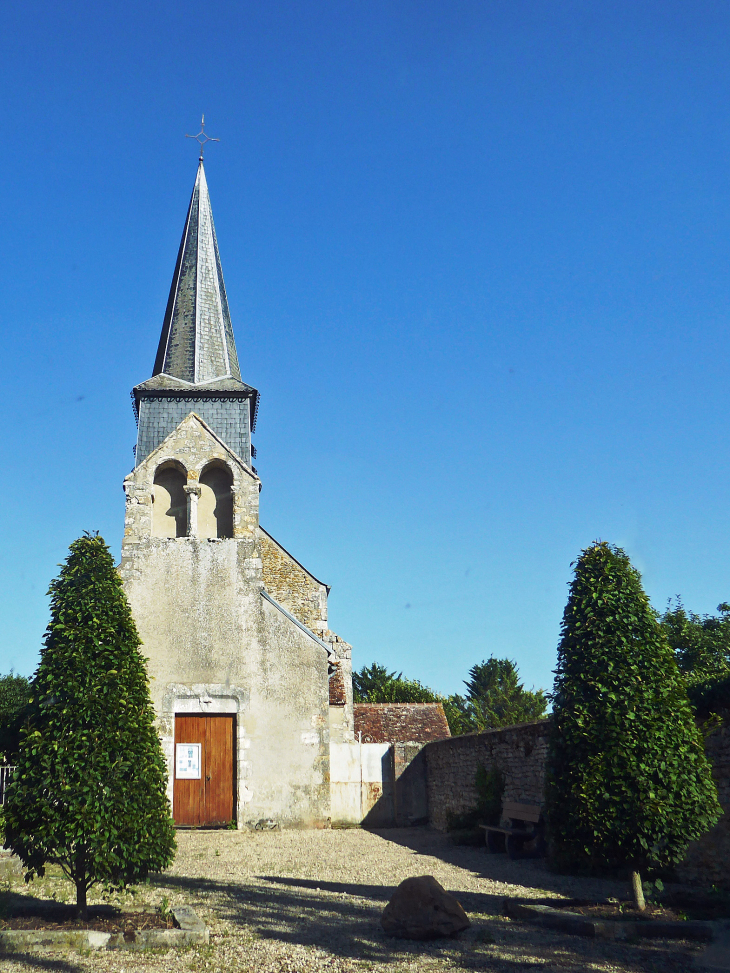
x: 197, y: 343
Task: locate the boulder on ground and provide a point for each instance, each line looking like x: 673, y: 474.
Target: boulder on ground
x: 420, y: 908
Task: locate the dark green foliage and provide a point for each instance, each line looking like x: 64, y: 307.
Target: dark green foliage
x: 89, y: 790
x: 710, y: 695
x: 375, y: 684
x: 495, y: 697
x: 701, y: 643
x: 456, y: 715
x: 628, y: 783
x: 14, y: 697
x: 490, y: 791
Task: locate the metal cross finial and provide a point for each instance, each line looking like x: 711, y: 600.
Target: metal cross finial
x: 201, y: 138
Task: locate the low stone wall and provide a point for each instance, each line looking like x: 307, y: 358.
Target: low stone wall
x: 451, y: 765
x: 410, y: 793
x: 520, y: 752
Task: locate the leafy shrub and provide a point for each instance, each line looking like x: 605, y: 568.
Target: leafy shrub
x: 89, y: 791
x: 709, y: 694
x: 628, y: 784
x: 14, y: 697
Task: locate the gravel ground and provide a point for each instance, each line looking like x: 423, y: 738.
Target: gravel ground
x: 301, y: 901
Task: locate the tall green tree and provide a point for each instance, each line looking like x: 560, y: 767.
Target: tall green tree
x: 14, y: 697
x: 89, y: 792
x: 496, y: 697
x: 701, y: 643
x: 628, y: 783
x: 374, y: 684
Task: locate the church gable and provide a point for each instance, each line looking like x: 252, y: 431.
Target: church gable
x: 192, y: 485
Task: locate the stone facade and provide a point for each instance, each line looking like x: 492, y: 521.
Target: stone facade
x: 215, y: 644
x: 305, y: 597
x: 232, y: 624
x: 292, y: 585
x: 520, y: 752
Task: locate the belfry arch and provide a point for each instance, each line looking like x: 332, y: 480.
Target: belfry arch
x: 215, y: 505
x: 169, y: 504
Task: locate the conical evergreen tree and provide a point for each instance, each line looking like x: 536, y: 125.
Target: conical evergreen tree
x: 628, y: 782
x: 89, y: 789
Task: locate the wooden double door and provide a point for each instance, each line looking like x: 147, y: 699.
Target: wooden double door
x: 204, y: 771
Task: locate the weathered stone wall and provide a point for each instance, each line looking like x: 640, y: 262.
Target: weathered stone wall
x: 410, y: 791
x: 341, y: 716
x: 451, y: 766
x: 305, y: 597
x: 520, y: 753
x: 215, y: 645
x: 292, y: 585
x: 708, y: 860
x: 340, y: 692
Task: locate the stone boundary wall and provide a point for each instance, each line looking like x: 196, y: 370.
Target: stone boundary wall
x: 451, y: 765
x: 520, y: 753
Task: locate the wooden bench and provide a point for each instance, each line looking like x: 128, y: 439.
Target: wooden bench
x: 520, y: 824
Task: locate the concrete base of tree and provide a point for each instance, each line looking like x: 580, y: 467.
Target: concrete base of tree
x: 563, y: 920
x: 191, y: 930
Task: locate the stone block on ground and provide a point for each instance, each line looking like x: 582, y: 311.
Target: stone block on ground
x: 421, y: 908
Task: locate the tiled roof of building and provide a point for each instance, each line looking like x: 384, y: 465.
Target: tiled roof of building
x: 401, y: 722
x: 197, y: 342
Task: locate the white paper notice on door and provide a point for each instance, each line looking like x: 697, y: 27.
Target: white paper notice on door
x: 187, y: 761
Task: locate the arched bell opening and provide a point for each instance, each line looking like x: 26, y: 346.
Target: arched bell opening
x: 169, y: 503
x: 215, y: 506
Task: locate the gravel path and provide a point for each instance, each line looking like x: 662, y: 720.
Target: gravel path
x: 301, y: 901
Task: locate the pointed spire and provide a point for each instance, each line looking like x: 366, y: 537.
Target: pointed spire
x: 197, y: 342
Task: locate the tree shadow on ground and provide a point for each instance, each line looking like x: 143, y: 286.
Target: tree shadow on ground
x: 35, y: 962
x: 344, y: 920
x: 528, y: 873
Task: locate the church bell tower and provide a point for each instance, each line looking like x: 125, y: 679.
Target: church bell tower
x: 196, y: 368
x: 241, y: 661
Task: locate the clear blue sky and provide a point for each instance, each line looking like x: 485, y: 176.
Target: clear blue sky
x: 478, y: 261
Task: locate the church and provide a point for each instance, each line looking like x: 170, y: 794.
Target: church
x: 250, y: 687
